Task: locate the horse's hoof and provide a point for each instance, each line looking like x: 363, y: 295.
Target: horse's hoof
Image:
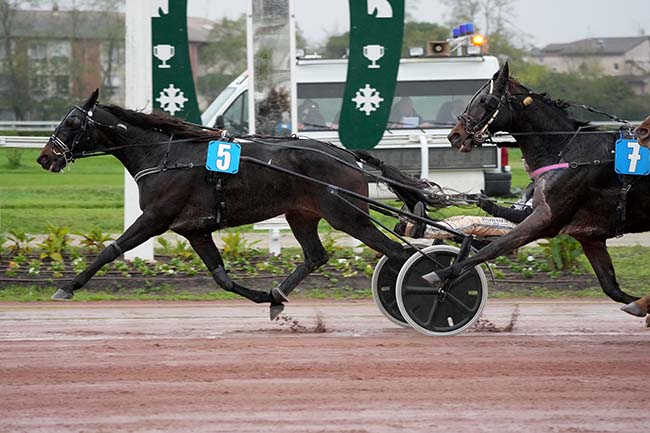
x: 432, y: 279
x: 275, y: 311
x: 647, y: 321
x: 634, y: 309
x: 62, y: 295
x: 278, y: 295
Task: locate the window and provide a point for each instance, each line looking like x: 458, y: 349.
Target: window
x: 5, y: 82
x: 39, y: 86
x: 62, y: 85
x: 417, y: 104
x: 37, y: 51
x: 3, y: 49
x: 60, y: 49
x: 236, y: 117
x: 616, y: 66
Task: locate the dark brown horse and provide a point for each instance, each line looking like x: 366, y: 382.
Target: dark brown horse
x: 167, y: 159
x: 576, y: 189
x: 643, y: 133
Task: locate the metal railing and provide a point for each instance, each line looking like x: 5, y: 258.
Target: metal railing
x: 23, y: 142
x: 27, y: 125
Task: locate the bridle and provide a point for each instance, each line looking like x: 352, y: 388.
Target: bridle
x: 59, y: 147
x: 493, y: 104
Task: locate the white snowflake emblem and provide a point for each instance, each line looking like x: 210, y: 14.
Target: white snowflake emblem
x: 172, y: 99
x: 368, y: 99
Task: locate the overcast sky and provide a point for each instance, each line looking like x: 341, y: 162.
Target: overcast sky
x: 544, y: 21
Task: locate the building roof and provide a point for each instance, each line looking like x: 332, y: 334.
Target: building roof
x: 87, y: 25
x: 595, y: 46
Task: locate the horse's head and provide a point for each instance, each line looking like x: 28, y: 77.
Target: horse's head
x: 71, y: 137
x: 643, y: 133
x: 486, y: 112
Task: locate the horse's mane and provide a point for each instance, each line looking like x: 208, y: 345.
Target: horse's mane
x: 564, y: 107
x: 159, y: 121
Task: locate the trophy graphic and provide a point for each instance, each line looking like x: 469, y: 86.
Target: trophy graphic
x: 164, y: 53
x: 373, y: 53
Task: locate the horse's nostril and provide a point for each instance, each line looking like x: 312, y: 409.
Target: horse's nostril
x: 43, y: 159
x: 643, y: 132
x: 453, y: 137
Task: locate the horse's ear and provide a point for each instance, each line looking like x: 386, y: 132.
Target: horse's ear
x: 502, y: 80
x: 92, y: 100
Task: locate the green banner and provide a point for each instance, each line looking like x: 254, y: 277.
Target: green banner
x: 376, y: 31
x: 173, y: 85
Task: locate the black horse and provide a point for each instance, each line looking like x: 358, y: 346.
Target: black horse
x: 576, y: 189
x: 167, y: 158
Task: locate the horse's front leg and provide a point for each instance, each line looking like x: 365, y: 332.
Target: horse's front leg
x: 207, y: 250
x: 596, y: 252
x: 143, y: 229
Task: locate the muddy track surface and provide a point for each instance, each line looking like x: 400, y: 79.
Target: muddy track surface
x: 565, y: 366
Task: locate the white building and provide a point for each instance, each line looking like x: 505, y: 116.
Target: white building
x: 625, y: 57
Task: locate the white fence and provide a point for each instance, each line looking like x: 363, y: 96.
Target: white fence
x: 27, y: 125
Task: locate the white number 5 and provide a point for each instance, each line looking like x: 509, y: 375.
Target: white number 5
x: 223, y: 156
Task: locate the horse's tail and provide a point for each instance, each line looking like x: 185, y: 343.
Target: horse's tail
x: 409, y: 189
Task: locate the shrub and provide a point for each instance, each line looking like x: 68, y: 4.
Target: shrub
x: 562, y: 252
x: 14, y: 157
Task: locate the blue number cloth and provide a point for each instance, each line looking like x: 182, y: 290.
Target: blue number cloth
x: 223, y: 157
x: 632, y: 158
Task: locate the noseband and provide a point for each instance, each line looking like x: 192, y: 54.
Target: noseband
x: 62, y: 149
x: 493, y: 104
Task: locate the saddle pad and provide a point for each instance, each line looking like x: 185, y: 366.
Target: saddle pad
x: 223, y: 157
x: 631, y: 158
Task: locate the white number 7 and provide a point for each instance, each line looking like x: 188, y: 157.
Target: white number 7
x: 635, y: 156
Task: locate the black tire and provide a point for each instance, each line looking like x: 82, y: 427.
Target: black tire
x: 383, y: 283
x: 497, y: 184
x: 443, y: 313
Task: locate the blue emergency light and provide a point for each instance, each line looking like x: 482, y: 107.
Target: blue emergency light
x: 463, y: 30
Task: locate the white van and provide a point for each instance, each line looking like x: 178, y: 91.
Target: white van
x: 436, y: 90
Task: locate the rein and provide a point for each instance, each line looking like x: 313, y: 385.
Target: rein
x: 61, y: 149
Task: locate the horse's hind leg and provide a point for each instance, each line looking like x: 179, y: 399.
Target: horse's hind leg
x: 361, y: 228
x: 596, y: 252
x: 304, y: 226
x: 207, y: 250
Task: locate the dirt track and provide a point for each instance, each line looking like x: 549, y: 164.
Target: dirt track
x: 222, y: 367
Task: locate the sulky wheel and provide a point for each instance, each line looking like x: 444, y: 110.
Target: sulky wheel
x: 383, y: 283
x: 439, y: 312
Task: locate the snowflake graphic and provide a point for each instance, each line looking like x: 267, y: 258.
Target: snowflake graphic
x: 368, y: 99
x: 172, y: 99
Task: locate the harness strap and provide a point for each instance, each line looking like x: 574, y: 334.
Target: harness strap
x: 621, y: 209
x: 540, y: 171
x: 146, y: 172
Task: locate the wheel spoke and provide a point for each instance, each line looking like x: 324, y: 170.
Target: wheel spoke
x: 459, y: 303
x: 457, y: 280
x: 420, y: 290
x: 432, y: 313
